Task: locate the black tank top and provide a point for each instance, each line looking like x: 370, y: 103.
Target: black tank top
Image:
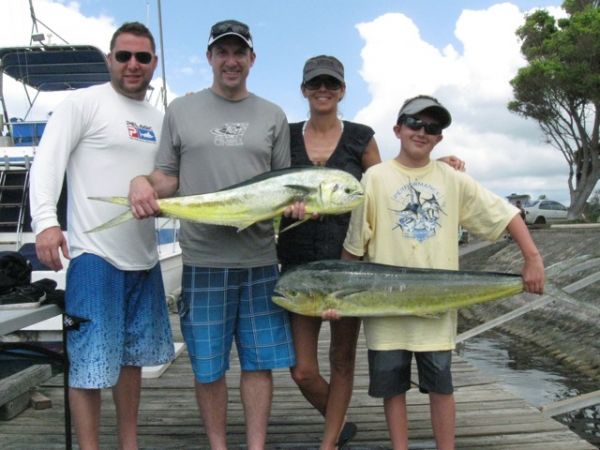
x: 323, y: 238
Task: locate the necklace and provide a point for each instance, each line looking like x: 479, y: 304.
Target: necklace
x: 305, y: 124
x: 322, y: 159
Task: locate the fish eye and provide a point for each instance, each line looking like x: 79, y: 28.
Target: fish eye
x: 347, y: 190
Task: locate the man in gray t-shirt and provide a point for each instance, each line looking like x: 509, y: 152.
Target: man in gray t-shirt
x: 211, y: 140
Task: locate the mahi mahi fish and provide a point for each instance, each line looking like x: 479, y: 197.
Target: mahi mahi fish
x: 362, y: 289
x: 323, y: 190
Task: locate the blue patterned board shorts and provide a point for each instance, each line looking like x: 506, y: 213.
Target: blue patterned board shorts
x: 218, y: 304
x: 128, y: 321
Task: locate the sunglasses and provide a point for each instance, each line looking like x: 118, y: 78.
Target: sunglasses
x: 415, y: 124
x: 229, y: 27
x: 123, y: 56
x: 330, y: 84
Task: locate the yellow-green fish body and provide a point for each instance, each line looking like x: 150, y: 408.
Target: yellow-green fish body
x: 323, y: 191
x: 362, y: 289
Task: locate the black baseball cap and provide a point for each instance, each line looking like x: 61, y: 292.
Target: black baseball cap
x: 323, y: 65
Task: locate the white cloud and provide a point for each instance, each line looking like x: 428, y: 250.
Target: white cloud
x: 503, y: 151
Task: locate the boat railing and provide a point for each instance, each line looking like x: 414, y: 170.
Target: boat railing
x: 167, y: 232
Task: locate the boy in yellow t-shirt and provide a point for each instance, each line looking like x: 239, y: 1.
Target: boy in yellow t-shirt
x: 413, y: 208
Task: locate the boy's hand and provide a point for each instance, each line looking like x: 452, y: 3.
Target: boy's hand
x: 533, y: 275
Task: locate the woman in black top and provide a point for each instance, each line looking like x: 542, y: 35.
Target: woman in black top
x: 325, y: 140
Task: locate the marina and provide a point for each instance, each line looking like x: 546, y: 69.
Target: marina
x: 562, y: 326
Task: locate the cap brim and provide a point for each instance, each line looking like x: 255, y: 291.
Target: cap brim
x: 427, y: 106
x: 322, y: 71
x: 212, y: 40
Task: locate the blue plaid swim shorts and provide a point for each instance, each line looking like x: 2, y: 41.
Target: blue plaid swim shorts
x: 220, y: 304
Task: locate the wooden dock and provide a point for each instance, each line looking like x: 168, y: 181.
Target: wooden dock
x: 487, y: 416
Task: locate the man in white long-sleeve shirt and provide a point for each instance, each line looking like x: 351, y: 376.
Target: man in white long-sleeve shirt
x: 101, y: 137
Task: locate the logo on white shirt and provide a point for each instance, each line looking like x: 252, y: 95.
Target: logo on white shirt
x: 141, y: 132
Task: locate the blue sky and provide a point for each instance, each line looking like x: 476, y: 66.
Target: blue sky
x: 463, y: 52
x: 286, y: 33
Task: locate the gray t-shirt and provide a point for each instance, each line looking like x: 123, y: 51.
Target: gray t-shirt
x: 211, y: 143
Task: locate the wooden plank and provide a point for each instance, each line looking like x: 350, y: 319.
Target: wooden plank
x: 475, y: 331
x: 585, y: 265
x: 571, y: 404
x: 39, y: 401
x: 22, y: 381
x: 157, y: 371
x: 14, y: 406
x: 554, y: 294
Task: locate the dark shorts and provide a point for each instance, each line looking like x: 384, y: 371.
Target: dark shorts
x: 219, y: 305
x: 389, y: 372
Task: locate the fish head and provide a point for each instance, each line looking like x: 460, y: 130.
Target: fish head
x: 339, y: 194
x: 296, y: 301
x: 296, y: 292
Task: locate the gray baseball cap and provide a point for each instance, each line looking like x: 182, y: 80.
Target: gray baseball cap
x: 323, y: 65
x: 430, y: 105
x: 230, y: 28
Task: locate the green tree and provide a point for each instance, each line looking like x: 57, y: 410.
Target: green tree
x: 560, y: 89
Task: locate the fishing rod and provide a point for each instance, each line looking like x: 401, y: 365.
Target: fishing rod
x: 162, y: 56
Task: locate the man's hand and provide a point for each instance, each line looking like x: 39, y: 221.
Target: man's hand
x: 47, y: 244
x: 142, y: 198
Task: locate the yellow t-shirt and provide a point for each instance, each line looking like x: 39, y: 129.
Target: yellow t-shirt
x: 410, y: 218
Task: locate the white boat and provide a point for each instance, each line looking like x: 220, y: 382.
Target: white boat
x: 49, y: 69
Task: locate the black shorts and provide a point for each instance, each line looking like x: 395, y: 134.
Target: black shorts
x: 389, y: 372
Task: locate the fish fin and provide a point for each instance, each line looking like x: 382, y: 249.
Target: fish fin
x: 244, y: 225
x: 116, y: 200
x: 427, y: 316
x: 124, y: 217
x: 293, y: 225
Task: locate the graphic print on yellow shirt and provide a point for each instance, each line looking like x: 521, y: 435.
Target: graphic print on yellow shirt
x: 419, y: 216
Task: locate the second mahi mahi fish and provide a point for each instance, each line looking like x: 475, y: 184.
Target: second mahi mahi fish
x: 362, y: 289
x: 323, y: 190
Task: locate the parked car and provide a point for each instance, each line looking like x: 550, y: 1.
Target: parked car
x: 545, y: 211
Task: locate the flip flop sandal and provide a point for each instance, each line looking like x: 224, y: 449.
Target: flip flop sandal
x: 348, y: 432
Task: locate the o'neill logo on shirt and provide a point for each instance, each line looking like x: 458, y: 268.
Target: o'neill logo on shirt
x: 141, y: 132
x: 230, y: 134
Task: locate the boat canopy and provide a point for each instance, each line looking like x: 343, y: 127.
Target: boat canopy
x: 55, y: 67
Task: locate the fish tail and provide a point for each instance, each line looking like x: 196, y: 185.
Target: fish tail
x: 124, y: 217
x: 293, y: 225
x: 124, y: 201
